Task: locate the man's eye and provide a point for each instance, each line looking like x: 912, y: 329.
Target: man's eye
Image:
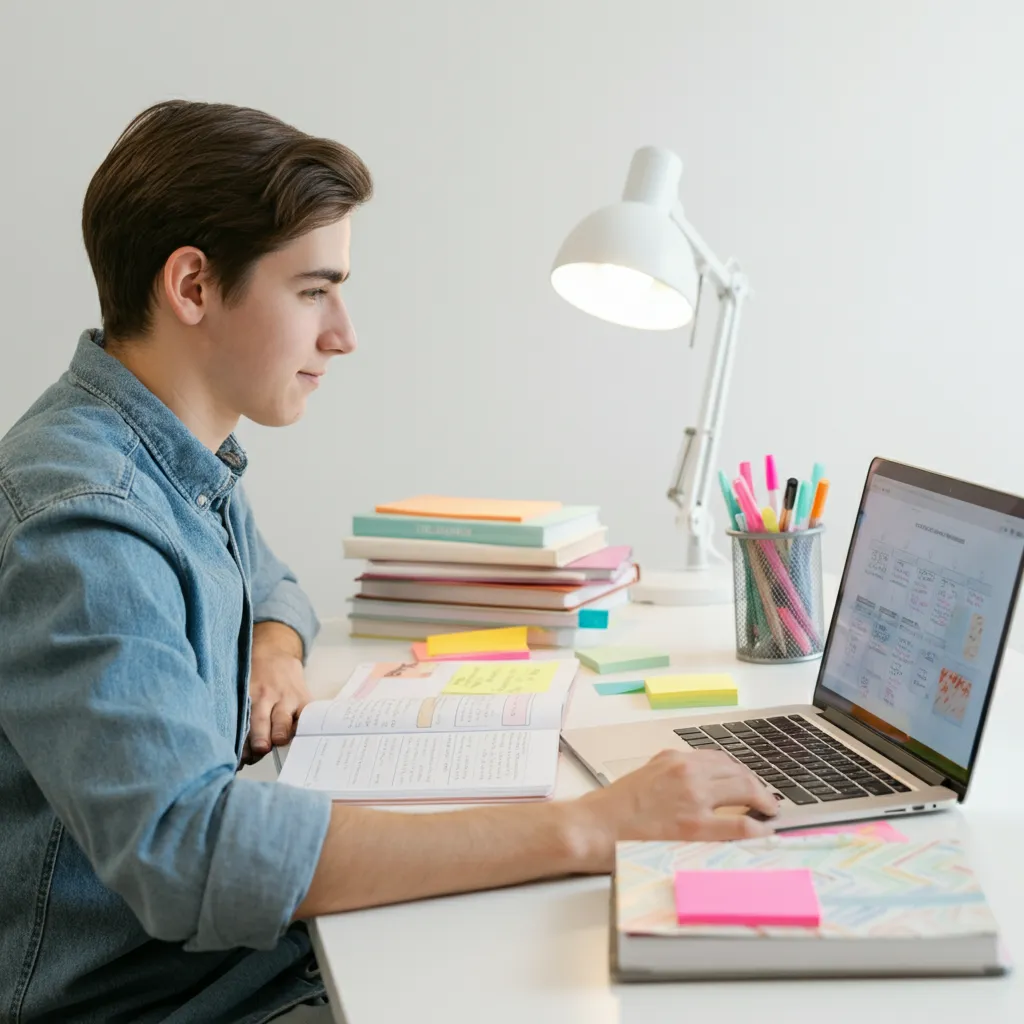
x: 315, y: 293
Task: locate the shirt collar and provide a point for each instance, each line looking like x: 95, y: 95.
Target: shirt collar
x: 202, y: 476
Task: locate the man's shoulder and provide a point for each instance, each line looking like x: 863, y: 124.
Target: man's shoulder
x: 69, y: 443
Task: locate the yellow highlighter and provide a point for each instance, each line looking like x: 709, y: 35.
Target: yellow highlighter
x: 771, y: 520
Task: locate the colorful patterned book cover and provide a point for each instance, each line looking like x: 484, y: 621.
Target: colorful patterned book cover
x: 867, y: 888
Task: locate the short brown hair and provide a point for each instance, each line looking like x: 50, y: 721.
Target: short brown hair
x: 234, y: 182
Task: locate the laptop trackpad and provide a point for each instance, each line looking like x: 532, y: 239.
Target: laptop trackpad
x: 620, y: 766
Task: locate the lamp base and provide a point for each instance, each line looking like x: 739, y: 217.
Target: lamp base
x: 685, y: 587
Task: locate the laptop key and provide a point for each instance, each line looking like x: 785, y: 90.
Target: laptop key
x: 875, y: 787
x: 737, y: 727
x: 775, y: 779
x: 688, y: 732
x: 717, y: 732
x: 900, y: 788
x: 851, y: 790
x: 797, y: 795
x: 834, y: 796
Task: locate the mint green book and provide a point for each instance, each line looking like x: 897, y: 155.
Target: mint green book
x: 541, y: 532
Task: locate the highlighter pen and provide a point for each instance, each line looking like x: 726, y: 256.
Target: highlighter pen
x: 788, y: 502
x: 803, y: 505
x: 771, y: 522
x: 771, y: 479
x: 816, y: 474
x: 820, y: 497
x: 748, y: 474
x: 731, y: 504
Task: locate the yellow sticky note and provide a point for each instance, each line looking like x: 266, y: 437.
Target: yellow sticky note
x: 691, y: 691
x: 503, y: 677
x: 478, y: 641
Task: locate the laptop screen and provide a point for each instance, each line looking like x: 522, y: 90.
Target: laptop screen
x: 925, y: 603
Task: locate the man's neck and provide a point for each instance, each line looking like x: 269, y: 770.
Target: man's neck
x: 179, y: 385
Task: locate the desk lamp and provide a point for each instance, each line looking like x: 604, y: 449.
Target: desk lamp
x: 640, y: 263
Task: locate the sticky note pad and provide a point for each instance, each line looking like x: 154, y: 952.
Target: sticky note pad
x: 748, y: 898
x: 691, y: 691
x: 606, y: 660
x: 609, y: 689
x: 498, y: 677
x: 478, y: 641
x: 419, y: 652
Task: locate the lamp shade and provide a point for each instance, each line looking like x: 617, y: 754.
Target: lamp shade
x: 630, y: 263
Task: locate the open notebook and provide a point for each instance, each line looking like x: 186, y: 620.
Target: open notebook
x: 391, y: 734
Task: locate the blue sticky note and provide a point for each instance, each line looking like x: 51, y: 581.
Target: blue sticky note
x: 631, y: 686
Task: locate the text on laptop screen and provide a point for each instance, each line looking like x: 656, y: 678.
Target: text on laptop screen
x: 924, y: 606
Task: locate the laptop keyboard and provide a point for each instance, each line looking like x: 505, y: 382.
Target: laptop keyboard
x: 796, y: 758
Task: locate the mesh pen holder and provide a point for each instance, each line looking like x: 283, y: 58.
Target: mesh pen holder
x: 780, y: 616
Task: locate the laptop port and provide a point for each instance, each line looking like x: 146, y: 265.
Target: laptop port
x: 917, y: 807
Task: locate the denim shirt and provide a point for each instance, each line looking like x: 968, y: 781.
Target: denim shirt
x: 140, y: 879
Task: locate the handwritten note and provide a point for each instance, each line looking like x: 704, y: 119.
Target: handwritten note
x: 534, y: 677
x: 478, y: 641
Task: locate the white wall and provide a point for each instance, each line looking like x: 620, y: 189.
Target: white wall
x: 864, y: 160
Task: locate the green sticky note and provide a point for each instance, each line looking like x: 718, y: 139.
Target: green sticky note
x: 609, y: 689
x: 605, y: 660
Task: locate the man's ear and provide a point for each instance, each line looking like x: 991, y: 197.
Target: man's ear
x: 186, y: 284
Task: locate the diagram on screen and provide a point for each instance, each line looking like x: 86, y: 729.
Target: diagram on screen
x: 953, y: 696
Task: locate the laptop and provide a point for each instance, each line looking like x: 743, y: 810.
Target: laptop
x: 906, y: 676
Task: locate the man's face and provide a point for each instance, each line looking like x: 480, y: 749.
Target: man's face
x: 269, y: 349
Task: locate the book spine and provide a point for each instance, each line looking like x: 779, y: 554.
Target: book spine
x: 463, y: 530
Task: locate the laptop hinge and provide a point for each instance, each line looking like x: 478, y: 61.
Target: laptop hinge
x: 893, y: 751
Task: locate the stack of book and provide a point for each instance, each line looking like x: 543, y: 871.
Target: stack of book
x: 447, y: 564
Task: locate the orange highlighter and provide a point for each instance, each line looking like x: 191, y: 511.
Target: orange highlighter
x: 818, y: 508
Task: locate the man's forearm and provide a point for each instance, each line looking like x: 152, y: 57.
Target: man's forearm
x: 375, y: 857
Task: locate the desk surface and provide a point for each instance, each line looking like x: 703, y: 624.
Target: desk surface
x: 538, y: 953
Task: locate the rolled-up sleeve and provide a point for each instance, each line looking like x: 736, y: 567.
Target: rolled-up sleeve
x: 276, y: 594
x: 101, y: 697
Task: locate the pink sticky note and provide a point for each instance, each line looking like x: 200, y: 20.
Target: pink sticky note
x: 869, y: 829
x: 748, y: 898
x: 419, y: 652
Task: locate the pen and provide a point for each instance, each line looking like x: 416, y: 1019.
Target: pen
x: 803, y: 505
x: 732, y: 506
x: 771, y: 479
x: 771, y: 522
x: 816, y: 474
x: 820, y: 497
x: 786, y: 523
x: 755, y: 524
x: 748, y: 474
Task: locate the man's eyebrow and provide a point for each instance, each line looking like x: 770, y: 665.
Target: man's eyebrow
x: 324, y: 274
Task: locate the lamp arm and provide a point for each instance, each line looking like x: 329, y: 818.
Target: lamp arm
x: 691, y: 488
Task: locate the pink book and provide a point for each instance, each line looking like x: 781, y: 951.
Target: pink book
x: 748, y: 898
x: 606, y: 558
x: 419, y: 651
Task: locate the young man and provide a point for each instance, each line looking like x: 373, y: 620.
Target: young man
x: 151, y: 643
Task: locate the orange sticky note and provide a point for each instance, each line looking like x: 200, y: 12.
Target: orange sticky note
x: 469, y: 508
x: 478, y: 641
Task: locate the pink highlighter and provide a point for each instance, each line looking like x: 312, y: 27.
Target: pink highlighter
x: 771, y: 481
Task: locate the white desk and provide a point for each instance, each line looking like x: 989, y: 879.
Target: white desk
x: 538, y: 954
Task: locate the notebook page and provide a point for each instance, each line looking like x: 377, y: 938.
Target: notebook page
x: 411, y: 766
x: 439, y: 713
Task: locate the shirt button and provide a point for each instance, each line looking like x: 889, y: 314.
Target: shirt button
x: 202, y: 500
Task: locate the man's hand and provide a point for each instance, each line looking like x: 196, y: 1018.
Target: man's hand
x: 674, y: 796
x: 277, y: 688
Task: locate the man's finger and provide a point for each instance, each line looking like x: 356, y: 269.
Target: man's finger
x: 282, y: 723
x: 722, y: 829
x: 744, y: 789
x: 259, y: 727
